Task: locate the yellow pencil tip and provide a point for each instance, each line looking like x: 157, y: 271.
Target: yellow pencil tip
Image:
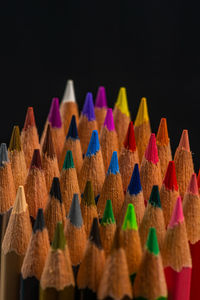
x: 142, y: 115
x: 122, y: 102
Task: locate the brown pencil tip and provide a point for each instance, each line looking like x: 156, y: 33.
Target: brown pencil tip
x: 48, y: 147
x: 20, y: 204
x: 36, y: 160
x: 116, y: 241
x: 15, y: 141
x: 184, y: 141
x: 162, y: 137
x: 30, y: 118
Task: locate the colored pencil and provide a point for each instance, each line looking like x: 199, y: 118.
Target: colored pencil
x: 49, y: 159
x: 169, y: 192
x: 198, y: 180
x: 135, y: 196
x: 68, y: 181
x: 88, y: 207
x: 153, y: 217
x: 107, y: 228
x: 176, y: 256
x: 142, y: 128
x: 87, y: 123
x: 150, y: 281
x: 75, y: 234
x: 93, y: 167
x: 115, y: 282
x: 128, y: 157
x: 14, y: 247
x: 108, y: 139
x: 150, y: 172
x: 72, y: 142
x: 29, y: 136
x: 121, y: 116
x: 17, y: 158
x: 34, y: 260
x: 130, y: 240
x: 112, y: 189
x: 35, y: 186
x: 191, y: 210
x: 57, y: 280
x: 183, y: 163
x: 55, y: 209
x: 92, y: 266
x: 163, y: 145
x: 68, y: 106
x: 100, y: 107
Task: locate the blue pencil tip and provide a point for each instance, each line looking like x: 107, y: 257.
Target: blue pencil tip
x: 135, y: 185
x: 114, y: 166
x: 73, y: 132
x: 88, y: 108
x: 94, y: 145
x: 3, y: 154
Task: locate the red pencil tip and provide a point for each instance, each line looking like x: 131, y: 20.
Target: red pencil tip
x: 170, y: 180
x: 151, y: 153
x: 177, y: 215
x: 30, y: 118
x: 198, y: 179
x: 193, y: 187
x: 36, y: 160
x: 129, y: 142
x: 184, y: 143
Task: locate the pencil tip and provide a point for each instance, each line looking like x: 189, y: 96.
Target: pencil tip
x: 151, y: 153
x: 170, y: 180
x: 162, y: 137
x: 130, y: 221
x: 116, y: 240
x: 55, y: 189
x: 88, y: 107
x: 73, y: 132
x: 54, y: 117
x: 36, y: 160
x: 129, y: 142
x: 30, y: 118
x: 114, y: 166
x: 69, y: 94
x: 177, y: 215
x: 20, y: 204
x: 184, y: 143
x: 108, y: 216
x: 122, y: 102
x: 193, y: 186
x: 152, y: 242
x: 15, y: 141
x: 101, y: 101
x: 135, y: 187
x: 68, y: 162
x: 109, y: 122
x: 94, y: 145
x: 48, y: 147
x: 154, y: 199
x: 95, y: 234
x: 88, y: 194
x: 59, y: 240
x: 198, y: 179
x: 142, y: 114
x: 75, y: 215
x: 3, y: 154
x: 39, y: 222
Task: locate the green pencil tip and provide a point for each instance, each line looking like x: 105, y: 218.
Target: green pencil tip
x: 108, y: 216
x: 155, y: 197
x: 88, y: 194
x: 59, y: 240
x: 130, y: 221
x: 152, y: 242
x: 68, y: 163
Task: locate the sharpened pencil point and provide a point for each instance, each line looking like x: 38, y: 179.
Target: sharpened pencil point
x: 39, y: 222
x: 54, y: 117
x: 3, y: 154
x: 69, y: 94
x: 177, y: 215
x: 94, y: 234
x: 184, y: 143
x: 30, y: 118
x: 129, y: 142
x: 75, y: 215
x: 15, y: 141
x: 152, y: 242
x: 170, y: 180
x: 88, y: 194
x: 122, y: 102
x: 108, y: 216
x: 130, y: 221
x: 73, y: 132
x: 162, y: 137
x: 193, y: 186
x: 109, y: 122
x: 142, y: 114
x: 114, y: 166
x: 88, y: 108
x: 101, y: 101
x: 20, y: 204
x: 155, y: 197
x: 135, y: 187
x: 68, y: 162
x: 151, y: 153
x: 55, y: 189
x: 59, y: 240
x: 48, y: 147
x: 36, y: 160
x: 94, y: 145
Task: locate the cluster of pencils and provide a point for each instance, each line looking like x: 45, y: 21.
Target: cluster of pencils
x: 97, y: 208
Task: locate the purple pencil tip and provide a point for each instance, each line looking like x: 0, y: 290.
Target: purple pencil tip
x: 54, y: 114
x: 109, y: 122
x: 101, y: 101
x: 88, y: 108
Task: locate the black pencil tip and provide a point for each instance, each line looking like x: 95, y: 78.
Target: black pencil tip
x: 94, y: 234
x: 39, y: 222
x: 55, y: 189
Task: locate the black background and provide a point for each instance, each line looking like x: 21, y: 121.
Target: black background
x: 150, y: 47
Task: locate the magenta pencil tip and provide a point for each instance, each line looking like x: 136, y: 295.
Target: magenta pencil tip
x: 109, y: 122
x: 101, y: 101
x: 54, y: 114
x: 177, y: 215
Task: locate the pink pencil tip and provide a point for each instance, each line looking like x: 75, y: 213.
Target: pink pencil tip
x: 151, y: 153
x: 184, y: 143
x: 101, y: 101
x: 193, y: 186
x: 109, y: 122
x: 177, y: 215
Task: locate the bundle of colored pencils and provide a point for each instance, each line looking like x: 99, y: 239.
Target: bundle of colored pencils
x: 97, y: 208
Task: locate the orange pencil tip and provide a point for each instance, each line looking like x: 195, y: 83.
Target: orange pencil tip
x: 184, y: 143
x: 30, y: 118
x: 162, y: 137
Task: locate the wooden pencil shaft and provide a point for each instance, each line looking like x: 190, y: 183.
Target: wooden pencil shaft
x: 52, y: 294
x: 86, y: 294
x: 29, y: 288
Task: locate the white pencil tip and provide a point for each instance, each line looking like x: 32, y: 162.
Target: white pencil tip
x: 69, y: 94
